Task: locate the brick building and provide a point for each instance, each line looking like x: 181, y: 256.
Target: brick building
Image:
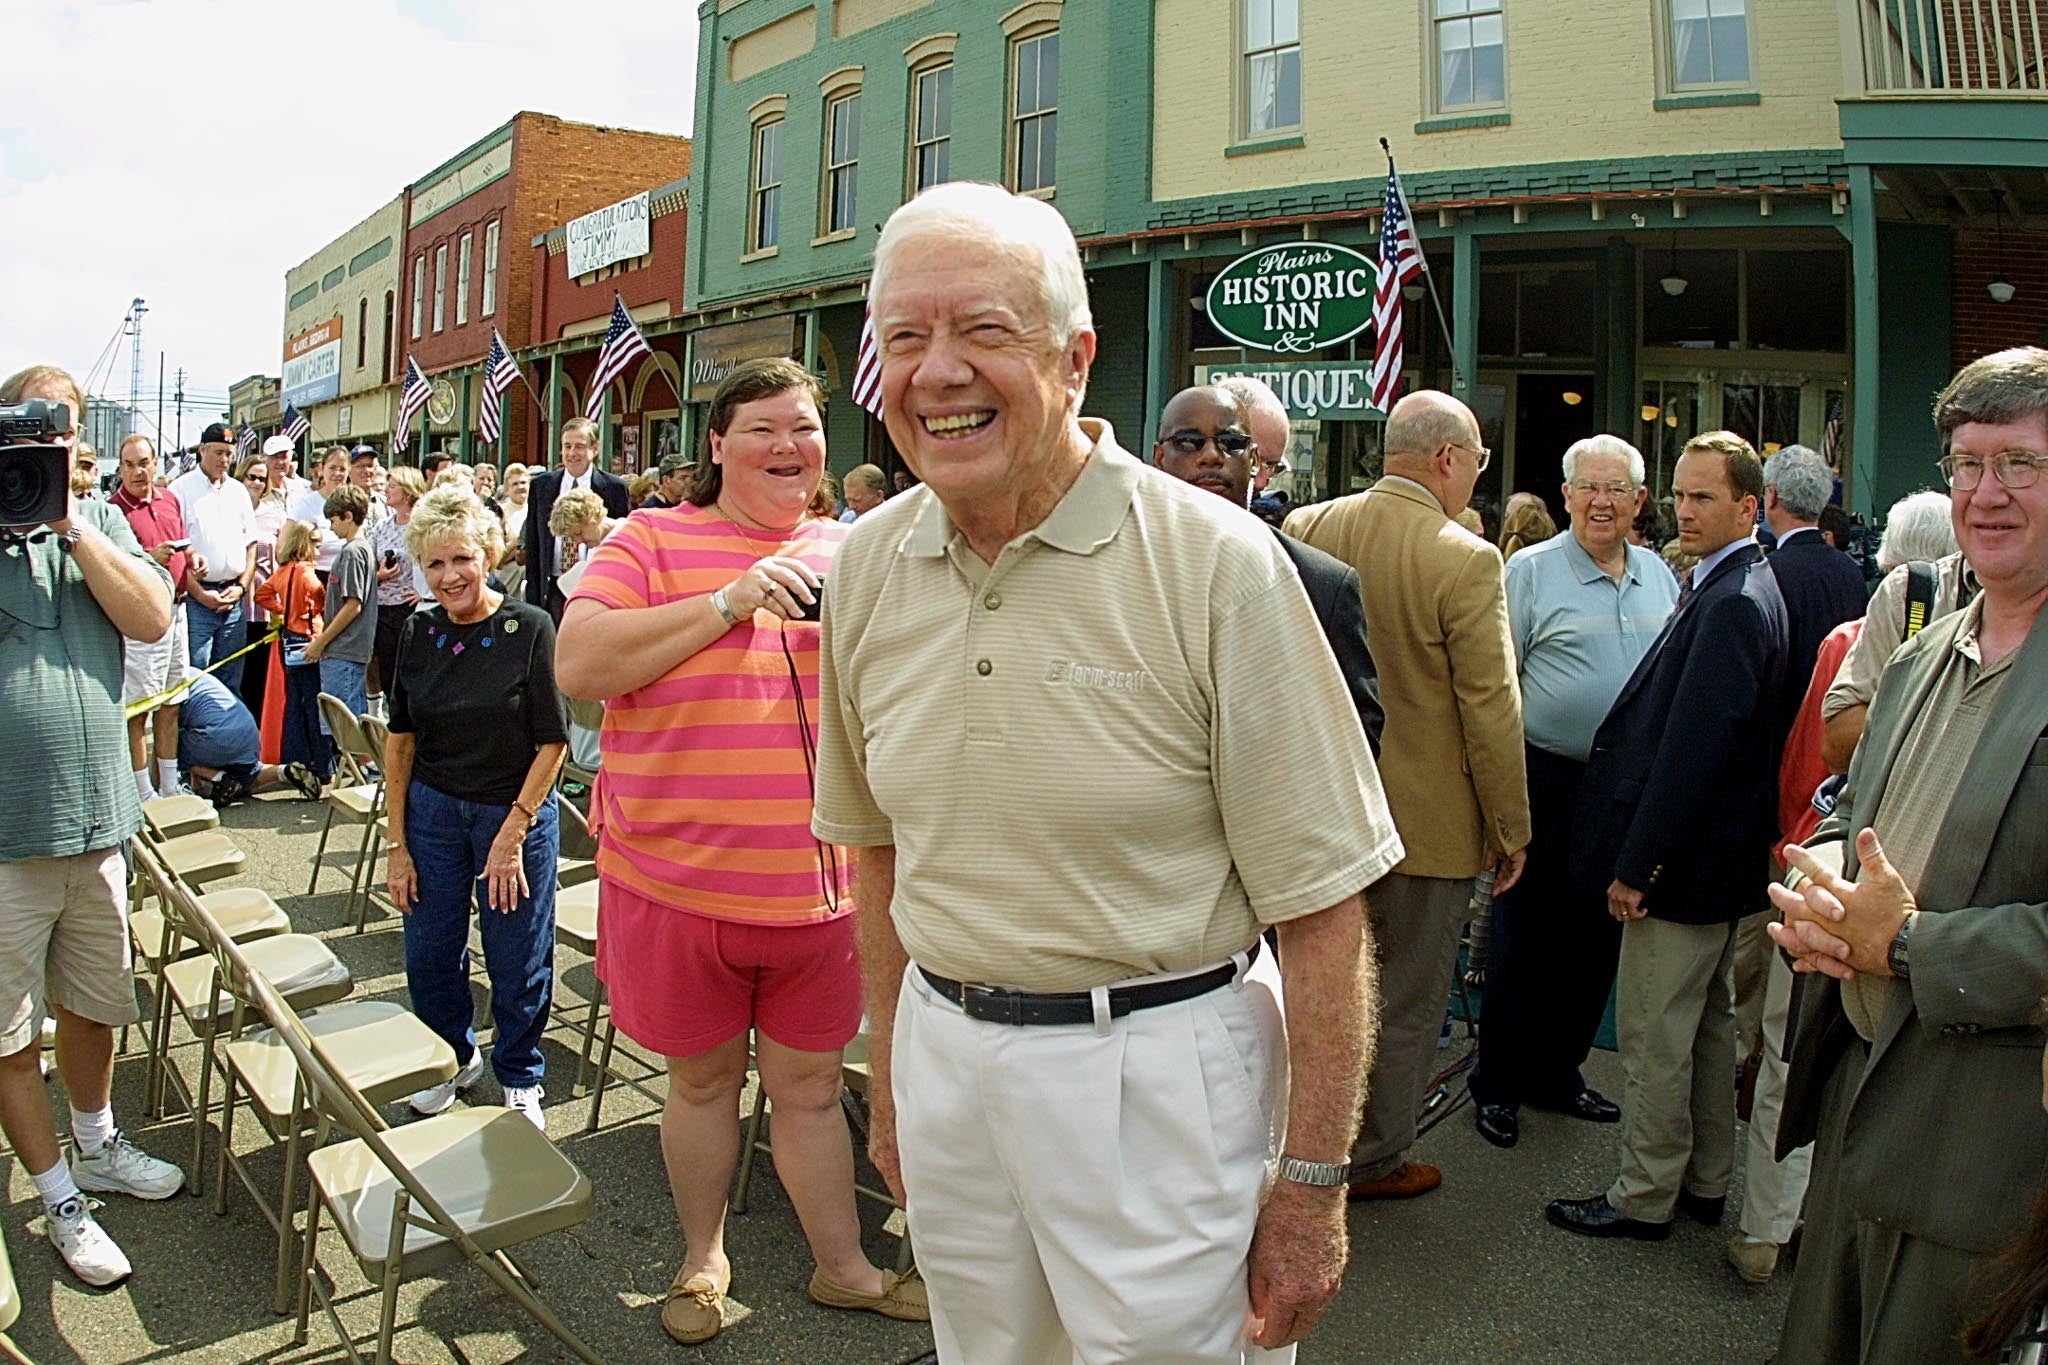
x: 466, y: 269
x: 340, y: 346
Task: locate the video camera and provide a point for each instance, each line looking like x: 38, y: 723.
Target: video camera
x: 35, y: 471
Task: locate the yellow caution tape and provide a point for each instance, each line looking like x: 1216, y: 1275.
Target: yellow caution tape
x: 178, y: 689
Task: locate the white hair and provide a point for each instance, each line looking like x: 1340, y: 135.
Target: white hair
x: 1918, y: 527
x: 1029, y: 229
x: 1803, y: 480
x: 1256, y: 395
x: 1604, y: 444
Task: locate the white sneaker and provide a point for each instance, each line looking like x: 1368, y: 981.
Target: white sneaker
x: 84, y: 1244
x: 438, y: 1099
x: 525, y: 1099
x: 121, y: 1167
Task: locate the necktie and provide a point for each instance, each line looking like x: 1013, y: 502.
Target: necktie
x: 1685, y: 586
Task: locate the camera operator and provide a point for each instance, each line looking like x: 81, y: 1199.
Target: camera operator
x: 70, y: 591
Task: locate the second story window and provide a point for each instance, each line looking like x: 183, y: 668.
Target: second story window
x: 1709, y: 43
x: 419, y: 292
x: 490, y: 268
x: 766, y: 200
x: 931, y: 128
x: 1034, y: 112
x: 1471, y: 54
x: 440, y: 286
x: 842, y: 161
x: 1272, y: 65
x: 362, y: 331
x: 462, y: 256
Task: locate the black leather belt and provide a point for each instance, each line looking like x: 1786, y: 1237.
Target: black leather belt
x: 1077, y: 1007
x: 222, y: 583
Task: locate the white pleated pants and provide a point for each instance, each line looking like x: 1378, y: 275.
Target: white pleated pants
x: 1081, y: 1196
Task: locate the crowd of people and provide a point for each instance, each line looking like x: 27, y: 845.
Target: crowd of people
x: 1794, y: 828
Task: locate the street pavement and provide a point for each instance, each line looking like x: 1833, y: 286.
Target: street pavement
x: 1468, y: 1273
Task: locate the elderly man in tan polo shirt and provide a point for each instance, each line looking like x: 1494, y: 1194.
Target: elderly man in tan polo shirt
x: 1068, y: 838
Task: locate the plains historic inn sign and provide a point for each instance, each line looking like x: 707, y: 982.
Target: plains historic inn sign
x: 1296, y: 298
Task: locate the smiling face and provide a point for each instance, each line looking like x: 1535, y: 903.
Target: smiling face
x: 770, y: 458
x: 1193, y: 430
x: 515, y: 484
x: 578, y: 449
x: 2003, y: 531
x: 1710, y: 515
x: 486, y: 480
x: 456, y: 568
x: 977, y: 392
x: 1601, y: 511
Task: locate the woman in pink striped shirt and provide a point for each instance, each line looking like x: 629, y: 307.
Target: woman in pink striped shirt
x: 718, y: 912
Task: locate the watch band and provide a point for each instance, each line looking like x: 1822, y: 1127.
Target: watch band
x: 68, y: 541
x: 1321, y: 1174
x: 723, y: 607
x: 1897, y: 957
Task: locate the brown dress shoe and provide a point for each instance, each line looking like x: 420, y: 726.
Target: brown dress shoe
x: 903, y: 1296
x: 1411, y: 1179
x: 694, y: 1310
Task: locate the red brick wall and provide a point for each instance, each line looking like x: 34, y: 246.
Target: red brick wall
x: 1981, y: 325
x: 560, y: 302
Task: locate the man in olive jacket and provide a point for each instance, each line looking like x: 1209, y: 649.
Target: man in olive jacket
x: 1914, y: 1053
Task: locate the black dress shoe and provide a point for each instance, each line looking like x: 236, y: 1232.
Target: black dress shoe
x: 1596, y: 1217
x: 1498, y: 1125
x: 1701, y: 1209
x: 1590, y: 1105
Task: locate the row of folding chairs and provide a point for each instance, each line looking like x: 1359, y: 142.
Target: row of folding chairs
x: 466, y: 1185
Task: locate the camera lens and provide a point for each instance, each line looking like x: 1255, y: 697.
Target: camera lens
x: 34, y: 488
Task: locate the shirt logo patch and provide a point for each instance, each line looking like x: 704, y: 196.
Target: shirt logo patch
x: 1068, y: 673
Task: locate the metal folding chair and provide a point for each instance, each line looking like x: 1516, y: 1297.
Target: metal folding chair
x: 355, y: 796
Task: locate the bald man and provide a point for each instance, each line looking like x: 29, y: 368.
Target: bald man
x: 1269, y: 423
x: 1453, y: 764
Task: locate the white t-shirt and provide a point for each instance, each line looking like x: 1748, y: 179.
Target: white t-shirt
x: 221, y: 521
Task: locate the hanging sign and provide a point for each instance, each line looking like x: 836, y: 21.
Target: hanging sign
x: 1294, y: 298
x: 1340, y: 389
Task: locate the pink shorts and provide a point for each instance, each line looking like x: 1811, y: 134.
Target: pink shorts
x: 681, y: 984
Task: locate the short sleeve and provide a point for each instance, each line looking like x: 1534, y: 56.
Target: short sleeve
x: 544, y: 716
x: 1266, y: 774
x: 843, y: 809
x: 396, y: 692
x: 114, y: 526
x: 617, y: 575
x: 1884, y: 629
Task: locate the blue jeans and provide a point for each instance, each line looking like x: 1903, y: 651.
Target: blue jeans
x: 450, y: 841
x: 305, y: 741
x: 344, y: 678
x: 214, y: 635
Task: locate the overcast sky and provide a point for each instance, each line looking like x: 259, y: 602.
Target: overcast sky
x: 191, y: 151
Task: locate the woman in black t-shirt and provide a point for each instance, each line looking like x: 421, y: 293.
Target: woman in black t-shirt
x: 477, y: 737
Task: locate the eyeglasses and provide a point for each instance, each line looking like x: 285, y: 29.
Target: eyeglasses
x: 1593, y: 488
x: 2012, y: 468
x: 255, y: 478
x: 1279, y: 466
x: 1485, y: 455
x: 1233, y: 444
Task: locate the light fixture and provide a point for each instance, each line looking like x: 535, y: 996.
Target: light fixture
x: 1673, y: 283
x: 1670, y: 419
x: 1411, y: 291
x: 2000, y: 289
x: 1572, y: 398
x: 1650, y: 412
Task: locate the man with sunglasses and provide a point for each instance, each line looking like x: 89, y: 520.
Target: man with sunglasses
x: 70, y: 592
x: 1453, y: 761
x: 1203, y: 441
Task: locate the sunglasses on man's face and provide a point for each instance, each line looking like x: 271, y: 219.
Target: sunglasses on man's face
x: 1233, y: 444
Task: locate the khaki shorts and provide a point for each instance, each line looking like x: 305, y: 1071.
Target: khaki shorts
x: 64, y: 940
x: 150, y: 666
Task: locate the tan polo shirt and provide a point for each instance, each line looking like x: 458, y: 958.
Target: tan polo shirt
x: 1066, y: 748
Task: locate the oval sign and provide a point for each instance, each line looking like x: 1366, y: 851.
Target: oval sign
x: 1294, y: 297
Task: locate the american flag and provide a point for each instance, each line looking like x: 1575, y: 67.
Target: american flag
x: 1401, y: 260
x: 412, y: 396
x: 867, y: 366
x: 295, y: 426
x: 1831, y: 438
x: 623, y: 345
x: 245, y: 444
x: 501, y: 372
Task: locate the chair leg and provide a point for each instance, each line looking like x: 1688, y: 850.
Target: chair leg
x: 904, y: 1258
x: 589, y: 1040
x: 326, y: 827
x: 749, y: 1146
x: 359, y: 885
x: 512, y: 1284
x: 284, y: 1213
x: 309, y: 1262
x: 394, y: 1254
x: 604, y: 1074
x: 227, y: 1138
x: 203, y: 1100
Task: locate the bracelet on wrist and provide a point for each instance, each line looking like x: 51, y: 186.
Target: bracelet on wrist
x: 529, y: 812
x: 724, y: 607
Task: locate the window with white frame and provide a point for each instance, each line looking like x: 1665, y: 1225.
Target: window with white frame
x: 419, y: 292
x: 1709, y: 43
x: 1471, y: 54
x: 931, y: 127
x: 1272, y: 65
x: 1034, y: 110
x: 842, y: 160
x: 490, y: 268
x: 765, y: 203
x: 440, y: 286
x: 462, y: 255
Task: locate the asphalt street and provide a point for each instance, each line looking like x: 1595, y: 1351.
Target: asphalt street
x: 1468, y: 1273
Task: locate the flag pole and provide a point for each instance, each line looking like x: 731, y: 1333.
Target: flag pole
x: 1428, y: 275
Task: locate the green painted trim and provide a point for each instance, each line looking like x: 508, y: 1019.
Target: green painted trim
x: 1868, y: 380
x: 1710, y: 100
x: 1944, y: 130
x: 1271, y: 144
x: 333, y: 277
x: 368, y: 257
x: 1451, y: 123
x: 503, y: 133
x: 1464, y: 313
x: 306, y: 295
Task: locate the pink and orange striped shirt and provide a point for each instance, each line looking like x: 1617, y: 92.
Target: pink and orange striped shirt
x: 703, y: 802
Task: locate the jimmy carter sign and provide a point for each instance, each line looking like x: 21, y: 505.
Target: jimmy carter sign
x: 616, y: 232
x: 1293, y: 298
x: 312, y: 365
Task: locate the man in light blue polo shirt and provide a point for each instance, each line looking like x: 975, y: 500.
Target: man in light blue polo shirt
x: 1583, y: 609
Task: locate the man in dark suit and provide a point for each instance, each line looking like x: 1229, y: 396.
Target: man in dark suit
x: 1204, y: 440
x: 1822, y: 587
x: 579, y: 470
x: 1913, y: 1054
x: 1676, y: 819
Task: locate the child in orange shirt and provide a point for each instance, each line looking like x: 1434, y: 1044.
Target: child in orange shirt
x: 293, y: 594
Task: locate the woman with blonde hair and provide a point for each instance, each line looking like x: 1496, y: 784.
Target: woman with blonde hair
x: 1528, y: 523
x: 398, y: 592
x: 579, y: 519
x: 294, y: 595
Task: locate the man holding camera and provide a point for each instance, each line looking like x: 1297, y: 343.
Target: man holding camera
x: 222, y: 522
x: 73, y: 584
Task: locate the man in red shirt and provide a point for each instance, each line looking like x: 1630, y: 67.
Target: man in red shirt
x: 158, y: 522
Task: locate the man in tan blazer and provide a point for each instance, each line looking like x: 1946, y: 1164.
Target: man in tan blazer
x: 1436, y: 614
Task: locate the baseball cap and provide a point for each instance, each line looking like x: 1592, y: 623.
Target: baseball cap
x: 279, y: 445
x: 362, y: 452
x: 217, y: 433
x: 671, y: 463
